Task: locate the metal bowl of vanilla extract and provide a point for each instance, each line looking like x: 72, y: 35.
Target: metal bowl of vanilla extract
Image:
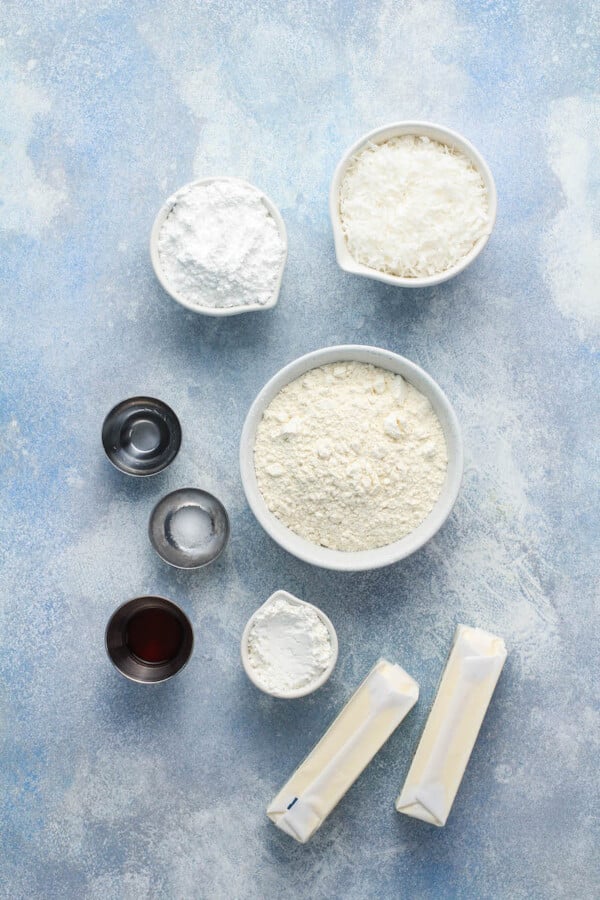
x: 149, y: 639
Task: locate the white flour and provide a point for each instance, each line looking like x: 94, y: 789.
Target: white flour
x: 350, y: 456
x: 220, y: 246
x: 288, y: 645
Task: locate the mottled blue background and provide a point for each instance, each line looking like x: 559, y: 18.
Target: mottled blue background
x: 112, y: 790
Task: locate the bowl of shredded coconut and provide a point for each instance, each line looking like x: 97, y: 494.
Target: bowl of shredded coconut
x: 218, y: 247
x: 351, y: 457
x: 412, y: 204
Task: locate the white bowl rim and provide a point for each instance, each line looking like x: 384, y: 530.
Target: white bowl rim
x: 383, y: 133
x: 307, y: 689
x: 162, y: 214
x: 363, y: 560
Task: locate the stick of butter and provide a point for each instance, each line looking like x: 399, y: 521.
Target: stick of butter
x: 347, y: 747
x: 466, y: 688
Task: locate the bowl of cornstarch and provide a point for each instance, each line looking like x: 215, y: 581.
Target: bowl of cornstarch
x: 412, y: 204
x: 218, y: 247
x: 351, y: 458
x: 289, y: 647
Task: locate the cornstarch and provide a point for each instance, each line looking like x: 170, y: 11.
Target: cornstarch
x: 220, y: 246
x: 350, y: 456
x: 289, y: 645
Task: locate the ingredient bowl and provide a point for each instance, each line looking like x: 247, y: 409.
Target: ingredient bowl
x: 210, y: 310
x: 313, y: 685
x: 141, y: 436
x: 149, y: 639
x: 189, y: 528
x: 437, y: 133
x: 363, y: 559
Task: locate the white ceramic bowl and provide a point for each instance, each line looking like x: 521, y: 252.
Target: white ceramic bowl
x: 209, y: 310
x: 437, y: 133
x: 314, y: 685
x: 364, y: 559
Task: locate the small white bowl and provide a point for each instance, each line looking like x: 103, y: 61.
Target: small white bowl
x: 210, y: 310
x: 309, y: 688
x: 378, y: 136
x: 362, y: 560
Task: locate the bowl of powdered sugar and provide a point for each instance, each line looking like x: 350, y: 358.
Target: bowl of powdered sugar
x: 218, y: 246
x: 412, y: 204
x: 351, y: 457
x: 289, y: 647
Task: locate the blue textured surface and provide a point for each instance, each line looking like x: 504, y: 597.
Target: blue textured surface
x: 112, y: 790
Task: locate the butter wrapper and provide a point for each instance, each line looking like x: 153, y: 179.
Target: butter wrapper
x: 468, y: 682
x: 347, y: 747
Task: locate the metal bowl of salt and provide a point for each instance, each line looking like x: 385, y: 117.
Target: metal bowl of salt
x: 189, y: 528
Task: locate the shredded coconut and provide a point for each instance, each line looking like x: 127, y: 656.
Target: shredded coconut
x: 220, y: 246
x: 412, y: 206
x: 289, y: 646
x: 350, y: 456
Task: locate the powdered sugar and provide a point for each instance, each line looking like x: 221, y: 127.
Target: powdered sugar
x: 220, y: 246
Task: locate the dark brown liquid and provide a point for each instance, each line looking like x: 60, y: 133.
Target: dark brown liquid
x: 154, y: 635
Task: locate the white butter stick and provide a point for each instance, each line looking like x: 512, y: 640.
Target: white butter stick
x: 347, y: 747
x: 464, y: 694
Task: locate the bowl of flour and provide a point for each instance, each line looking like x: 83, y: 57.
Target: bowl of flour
x: 218, y: 246
x: 351, y: 457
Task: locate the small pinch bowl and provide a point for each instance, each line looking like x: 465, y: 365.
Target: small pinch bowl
x: 309, y: 688
x: 129, y: 665
x: 141, y: 436
x: 378, y: 136
x: 189, y: 528
x: 208, y: 310
x: 363, y: 560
